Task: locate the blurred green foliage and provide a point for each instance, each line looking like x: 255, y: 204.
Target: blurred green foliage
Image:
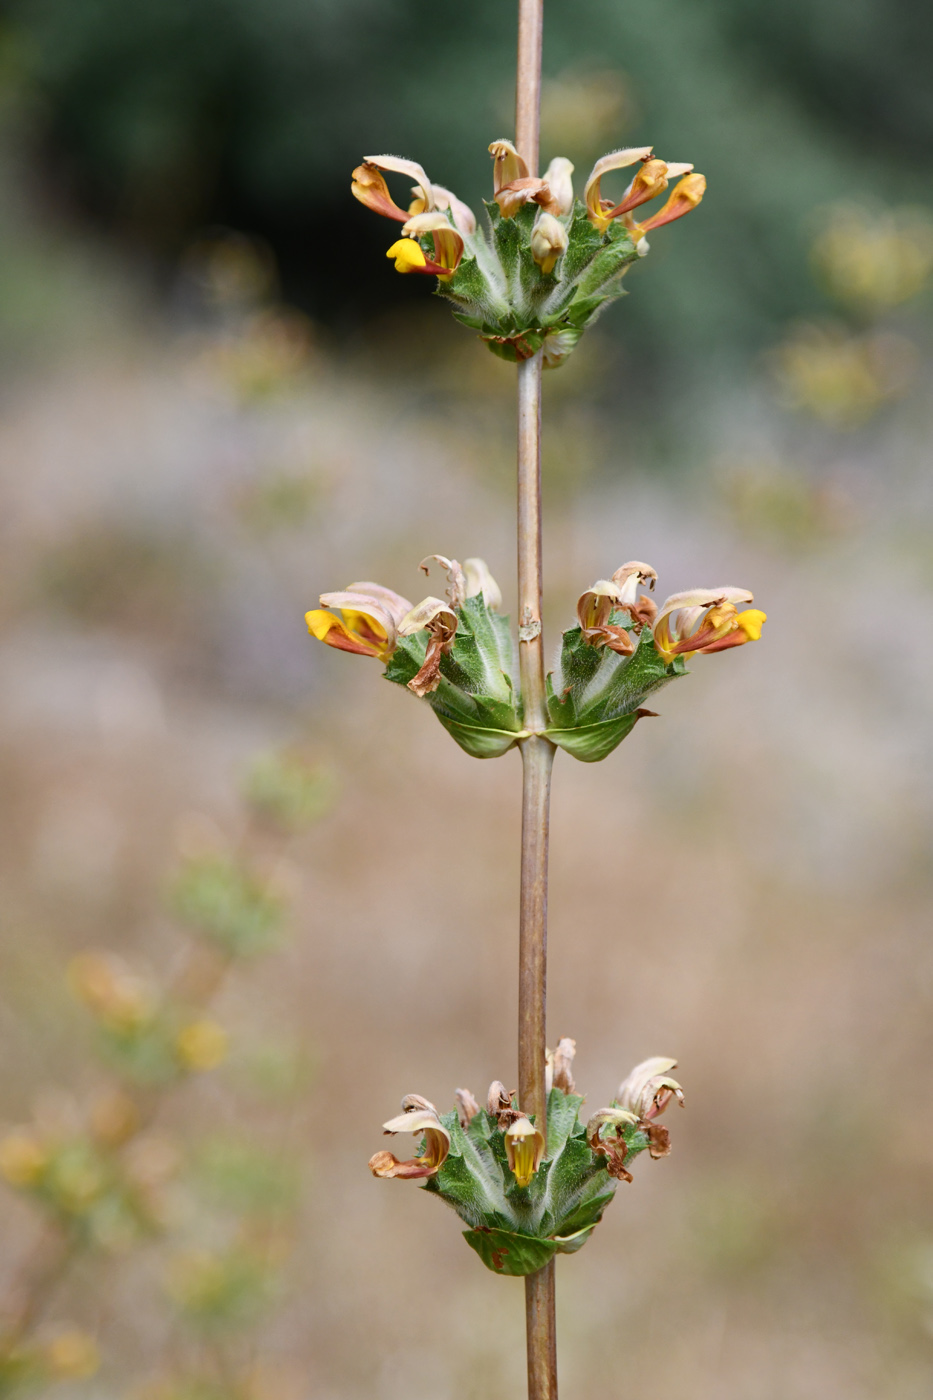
x: 229, y: 904
x: 183, y: 113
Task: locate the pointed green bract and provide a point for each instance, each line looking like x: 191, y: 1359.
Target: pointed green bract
x: 595, y: 694
x: 517, y: 1229
x: 474, y: 701
x: 499, y: 290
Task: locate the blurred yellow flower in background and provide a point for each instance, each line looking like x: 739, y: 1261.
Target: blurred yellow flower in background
x: 73, y: 1355
x: 841, y: 378
x: 871, y: 260
x: 202, y: 1045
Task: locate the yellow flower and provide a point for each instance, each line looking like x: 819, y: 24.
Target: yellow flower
x: 524, y: 1147
x: 117, y: 997
x: 23, y: 1158
x: 369, y: 621
x: 448, y: 246
x: 202, y: 1045
x: 651, y: 180
x: 72, y: 1355
x: 706, y: 620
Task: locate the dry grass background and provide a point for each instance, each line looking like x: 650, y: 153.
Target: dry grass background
x: 744, y: 884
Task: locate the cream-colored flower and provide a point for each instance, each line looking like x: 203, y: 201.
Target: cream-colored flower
x: 423, y: 1122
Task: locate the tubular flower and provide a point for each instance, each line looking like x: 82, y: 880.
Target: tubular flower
x: 524, y: 1147
x: 706, y: 620
x: 433, y: 210
x: 596, y: 607
x: 439, y: 620
x: 651, y: 180
x: 419, y: 1117
x: 369, y: 622
x: 548, y: 242
x: 480, y: 581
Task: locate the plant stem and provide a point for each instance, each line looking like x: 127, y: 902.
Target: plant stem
x: 537, y: 752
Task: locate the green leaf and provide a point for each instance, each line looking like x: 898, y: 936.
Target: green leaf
x: 476, y: 741
x: 592, y: 742
x: 508, y: 1253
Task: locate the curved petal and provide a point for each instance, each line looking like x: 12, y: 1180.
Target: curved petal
x: 508, y: 165
x: 462, y: 214
x: 480, y: 580
x: 615, y: 160
x: 399, y: 166
x: 430, y: 611
x: 527, y: 189
x: 456, y: 578
x: 647, y: 1090
x: 369, y: 187
x: 395, y: 605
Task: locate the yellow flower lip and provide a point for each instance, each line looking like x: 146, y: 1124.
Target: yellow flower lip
x: 408, y: 255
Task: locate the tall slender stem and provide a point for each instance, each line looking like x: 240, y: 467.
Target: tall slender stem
x: 537, y: 751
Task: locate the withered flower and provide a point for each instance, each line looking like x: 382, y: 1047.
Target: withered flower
x: 439, y: 620
x: 595, y: 607
x: 562, y: 1065
x: 605, y: 1136
x: 648, y: 1090
x: 498, y: 1099
x: 467, y: 1107
x: 524, y: 1147
x: 421, y: 1119
x: 512, y: 184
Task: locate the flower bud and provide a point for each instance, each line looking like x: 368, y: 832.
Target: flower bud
x: 558, y: 179
x: 548, y: 242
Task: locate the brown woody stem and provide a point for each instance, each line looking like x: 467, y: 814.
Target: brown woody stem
x: 537, y: 751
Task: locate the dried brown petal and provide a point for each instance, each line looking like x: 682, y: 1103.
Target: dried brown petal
x: 467, y: 1107
x: 563, y: 1065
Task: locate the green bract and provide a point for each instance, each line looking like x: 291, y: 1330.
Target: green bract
x: 515, y: 1229
x: 499, y: 290
x: 594, y: 696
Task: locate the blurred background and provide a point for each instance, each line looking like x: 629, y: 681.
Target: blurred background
x: 301, y: 898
